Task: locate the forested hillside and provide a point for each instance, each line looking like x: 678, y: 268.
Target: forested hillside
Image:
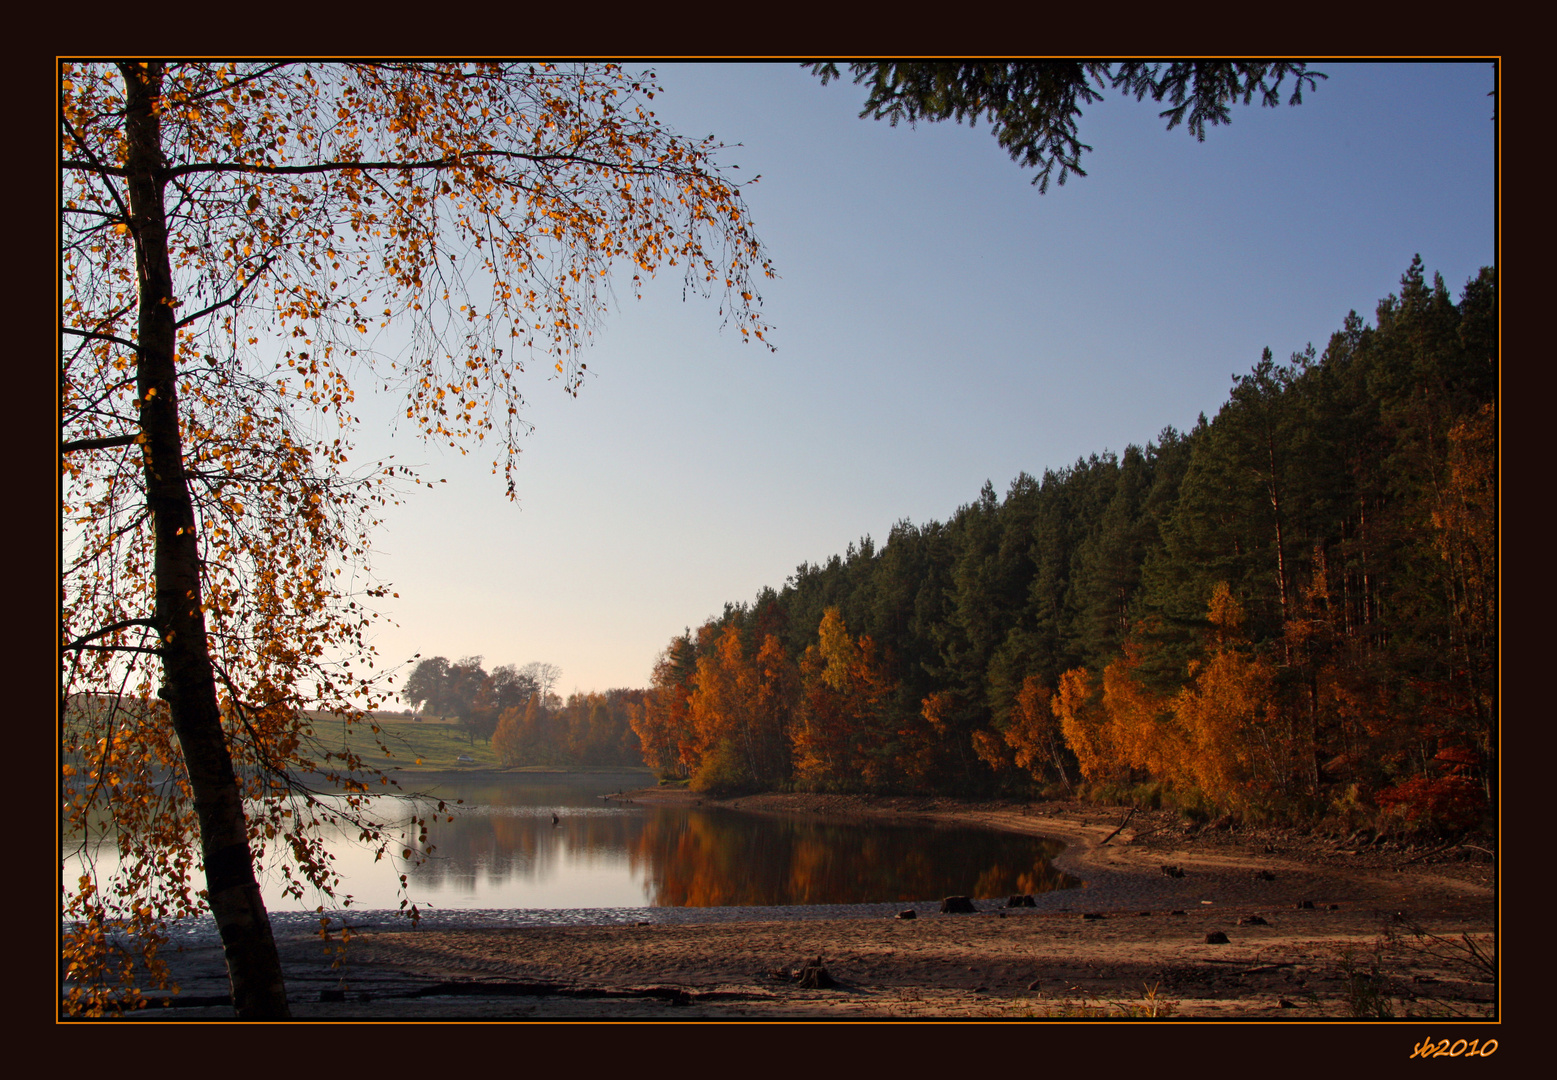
x: 1288, y: 611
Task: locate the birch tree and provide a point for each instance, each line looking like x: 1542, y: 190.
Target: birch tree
x: 245, y: 248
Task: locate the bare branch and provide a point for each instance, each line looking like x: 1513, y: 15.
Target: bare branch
x: 233, y: 299
x: 123, y: 624
x: 95, y: 166
x: 446, y: 162
x: 91, y: 166
x: 99, y: 444
x: 226, y: 88
x: 117, y: 648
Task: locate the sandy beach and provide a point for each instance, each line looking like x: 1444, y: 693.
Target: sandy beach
x: 1313, y: 927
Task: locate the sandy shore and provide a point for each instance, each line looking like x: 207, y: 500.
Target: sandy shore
x: 1314, y: 929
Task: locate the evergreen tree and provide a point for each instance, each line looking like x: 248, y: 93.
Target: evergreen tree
x: 1032, y: 105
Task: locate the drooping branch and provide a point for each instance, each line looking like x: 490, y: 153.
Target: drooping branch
x: 277, y: 770
x: 122, y: 624
x: 89, y: 406
x: 93, y: 165
x: 93, y: 335
x: 106, y: 319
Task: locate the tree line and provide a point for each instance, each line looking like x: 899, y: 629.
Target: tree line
x: 1289, y: 610
x: 515, y: 709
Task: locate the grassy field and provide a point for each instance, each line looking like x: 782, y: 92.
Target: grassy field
x: 418, y: 746
x: 429, y: 746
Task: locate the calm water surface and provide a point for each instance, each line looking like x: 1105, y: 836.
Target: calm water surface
x: 505, y: 850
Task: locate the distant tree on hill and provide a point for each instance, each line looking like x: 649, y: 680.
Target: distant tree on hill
x: 427, y: 685
x: 544, y: 676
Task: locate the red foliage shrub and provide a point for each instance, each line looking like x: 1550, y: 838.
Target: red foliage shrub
x: 1447, y: 804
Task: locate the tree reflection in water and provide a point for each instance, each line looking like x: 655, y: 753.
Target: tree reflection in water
x: 718, y: 858
x: 503, y: 851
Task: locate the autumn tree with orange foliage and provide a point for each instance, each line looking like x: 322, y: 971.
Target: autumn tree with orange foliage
x: 739, y: 709
x: 927, y: 742
x: 1228, y: 736
x: 1078, y: 706
x: 662, y: 720
x: 1465, y: 533
x: 235, y: 240
x: 841, y: 732
x: 512, y: 741
x: 1141, y: 722
x: 1032, y: 739
x: 774, y: 685
x: 719, y: 709
x: 1244, y: 749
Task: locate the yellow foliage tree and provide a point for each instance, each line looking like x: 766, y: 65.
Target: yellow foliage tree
x: 1244, y: 751
x: 235, y: 240
x: 719, y: 709
x: 1141, y: 723
x: 1078, y: 708
x: 513, y: 740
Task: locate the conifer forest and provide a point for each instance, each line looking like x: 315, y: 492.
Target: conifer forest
x: 1288, y: 612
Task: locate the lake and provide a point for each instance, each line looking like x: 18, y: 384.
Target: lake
x: 548, y: 841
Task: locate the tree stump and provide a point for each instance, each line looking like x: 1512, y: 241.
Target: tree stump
x: 954, y: 905
x: 813, y: 976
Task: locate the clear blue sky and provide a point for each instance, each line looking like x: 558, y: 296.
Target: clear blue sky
x: 938, y: 323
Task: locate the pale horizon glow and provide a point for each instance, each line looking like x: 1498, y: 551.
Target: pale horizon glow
x: 938, y: 323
